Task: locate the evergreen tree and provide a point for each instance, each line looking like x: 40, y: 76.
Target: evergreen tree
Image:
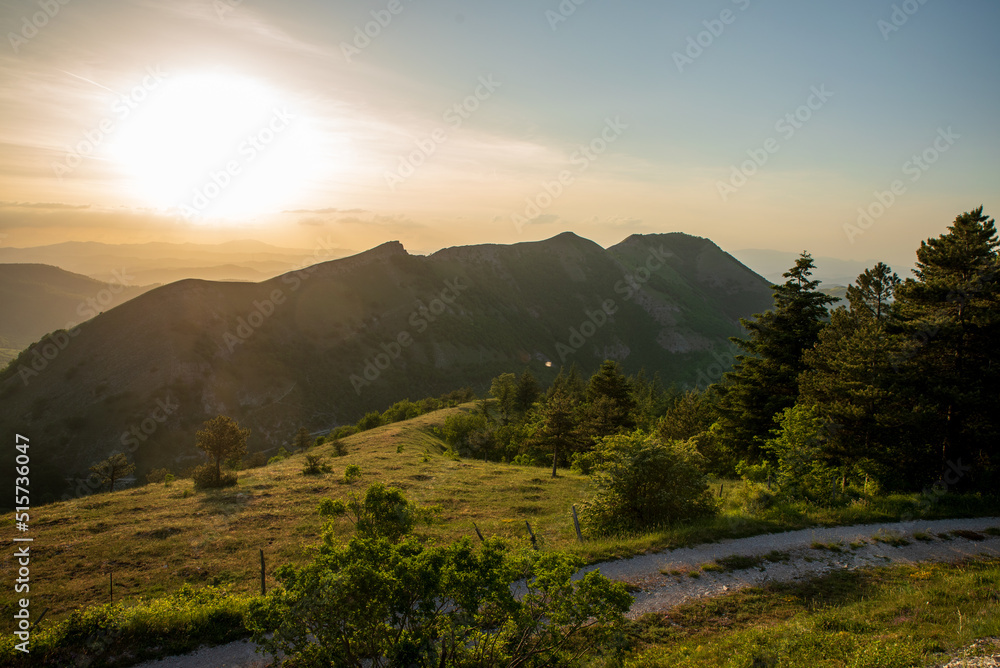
x: 113, y: 469
x: 610, y: 403
x: 222, y: 438
x: 558, y: 426
x: 526, y: 393
x: 951, y: 313
x: 764, y: 380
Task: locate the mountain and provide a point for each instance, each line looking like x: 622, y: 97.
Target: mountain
x: 36, y: 299
x: 156, y: 262
x: 322, y: 345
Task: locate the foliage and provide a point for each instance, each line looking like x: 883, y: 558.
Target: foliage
x: 112, y: 469
x: 643, y: 483
x: 388, y: 600
x: 384, y: 512
x: 352, y: 473
x: 157, y: 475
x: 764, y: 380
x: 315, y: 465
x: 220, y: 438
x: 207, y: 477
x: 303, y: 441
x: 797, y: 450
x: 371, y: 420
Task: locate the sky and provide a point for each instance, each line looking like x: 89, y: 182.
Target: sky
x: 851, y: 129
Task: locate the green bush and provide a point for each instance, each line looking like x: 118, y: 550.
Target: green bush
x: 339, y: 448
x: 342, y: 432
x: 644, y: 483
x: 254, y: 460
x: 204, y: 477
x: 315, y: 466
x: 157, y: 475
x: 370, y: 421
x: 352, y: 473
x: 392, y: 600
x: 802, y: 472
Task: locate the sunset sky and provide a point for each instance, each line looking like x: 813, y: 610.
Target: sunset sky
x: 446, y: 122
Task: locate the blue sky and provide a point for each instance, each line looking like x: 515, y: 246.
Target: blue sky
x: 889, y: 94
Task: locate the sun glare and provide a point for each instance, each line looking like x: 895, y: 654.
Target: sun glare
x: 216, y: 145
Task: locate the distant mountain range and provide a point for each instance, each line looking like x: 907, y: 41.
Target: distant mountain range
x: 163, y: 263
x: 320, y: 346
x: 36, y: 299
x: 771, y: 264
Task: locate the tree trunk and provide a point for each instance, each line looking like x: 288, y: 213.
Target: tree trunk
x: 555, y: 458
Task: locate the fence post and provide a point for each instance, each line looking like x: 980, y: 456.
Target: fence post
x: 576, y: 525
x: 478, y: 532
x: 111, y: 585
x: 262, y: 591
x: 534, y: 543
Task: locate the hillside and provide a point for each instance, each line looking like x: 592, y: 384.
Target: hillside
x: 156, y: 538
x: 36, y: 299
x: 320, y: 346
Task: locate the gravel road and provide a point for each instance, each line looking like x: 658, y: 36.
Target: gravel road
x: 661, y: 592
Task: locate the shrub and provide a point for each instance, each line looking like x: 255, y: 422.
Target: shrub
x: 205, y: 477
x: 314, y: 465
x: 401, y: 410
x: 644, y: 483
x: 339, y: 448
x: 400, y: 602
x: 798, y: 448
x: 370, y: 421
x: 352, y: 473
x: 342, y: 432
x: 157, y: 475
x: 254, y: 460
x: 167, y: 479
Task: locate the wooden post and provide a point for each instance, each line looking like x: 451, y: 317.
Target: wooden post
x: 262, y: 590
x: 576, y: 525
x: 111, y: 585
x: 534, y: 543
x: 721, y: 485
x: 478, y: 532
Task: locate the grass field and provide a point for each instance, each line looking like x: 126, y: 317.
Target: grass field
x: 156, y: 538
x: 894, y: 617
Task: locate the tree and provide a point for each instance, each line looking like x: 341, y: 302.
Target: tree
x: 504, y: 391
x: 852, y: 379
x: 951, y: 320
x: 387, y: 599
x: 644, y: 483
x: 558, y: 425
x: 303, y: 440
x: 764, y: 380
x: 222, y: 438
x: 526, y: 393
x: 610, y: 403
x: 112, y: 469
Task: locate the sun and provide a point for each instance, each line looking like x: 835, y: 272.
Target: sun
x: 216, y: 145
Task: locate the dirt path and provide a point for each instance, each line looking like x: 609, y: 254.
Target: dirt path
x: 662, y: 592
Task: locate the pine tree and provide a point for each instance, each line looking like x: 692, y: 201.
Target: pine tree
x: 113, y: 469
x: 951, y: 311
x: 764, y: 380
x: 558, y: 425
x: 852, y: 381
